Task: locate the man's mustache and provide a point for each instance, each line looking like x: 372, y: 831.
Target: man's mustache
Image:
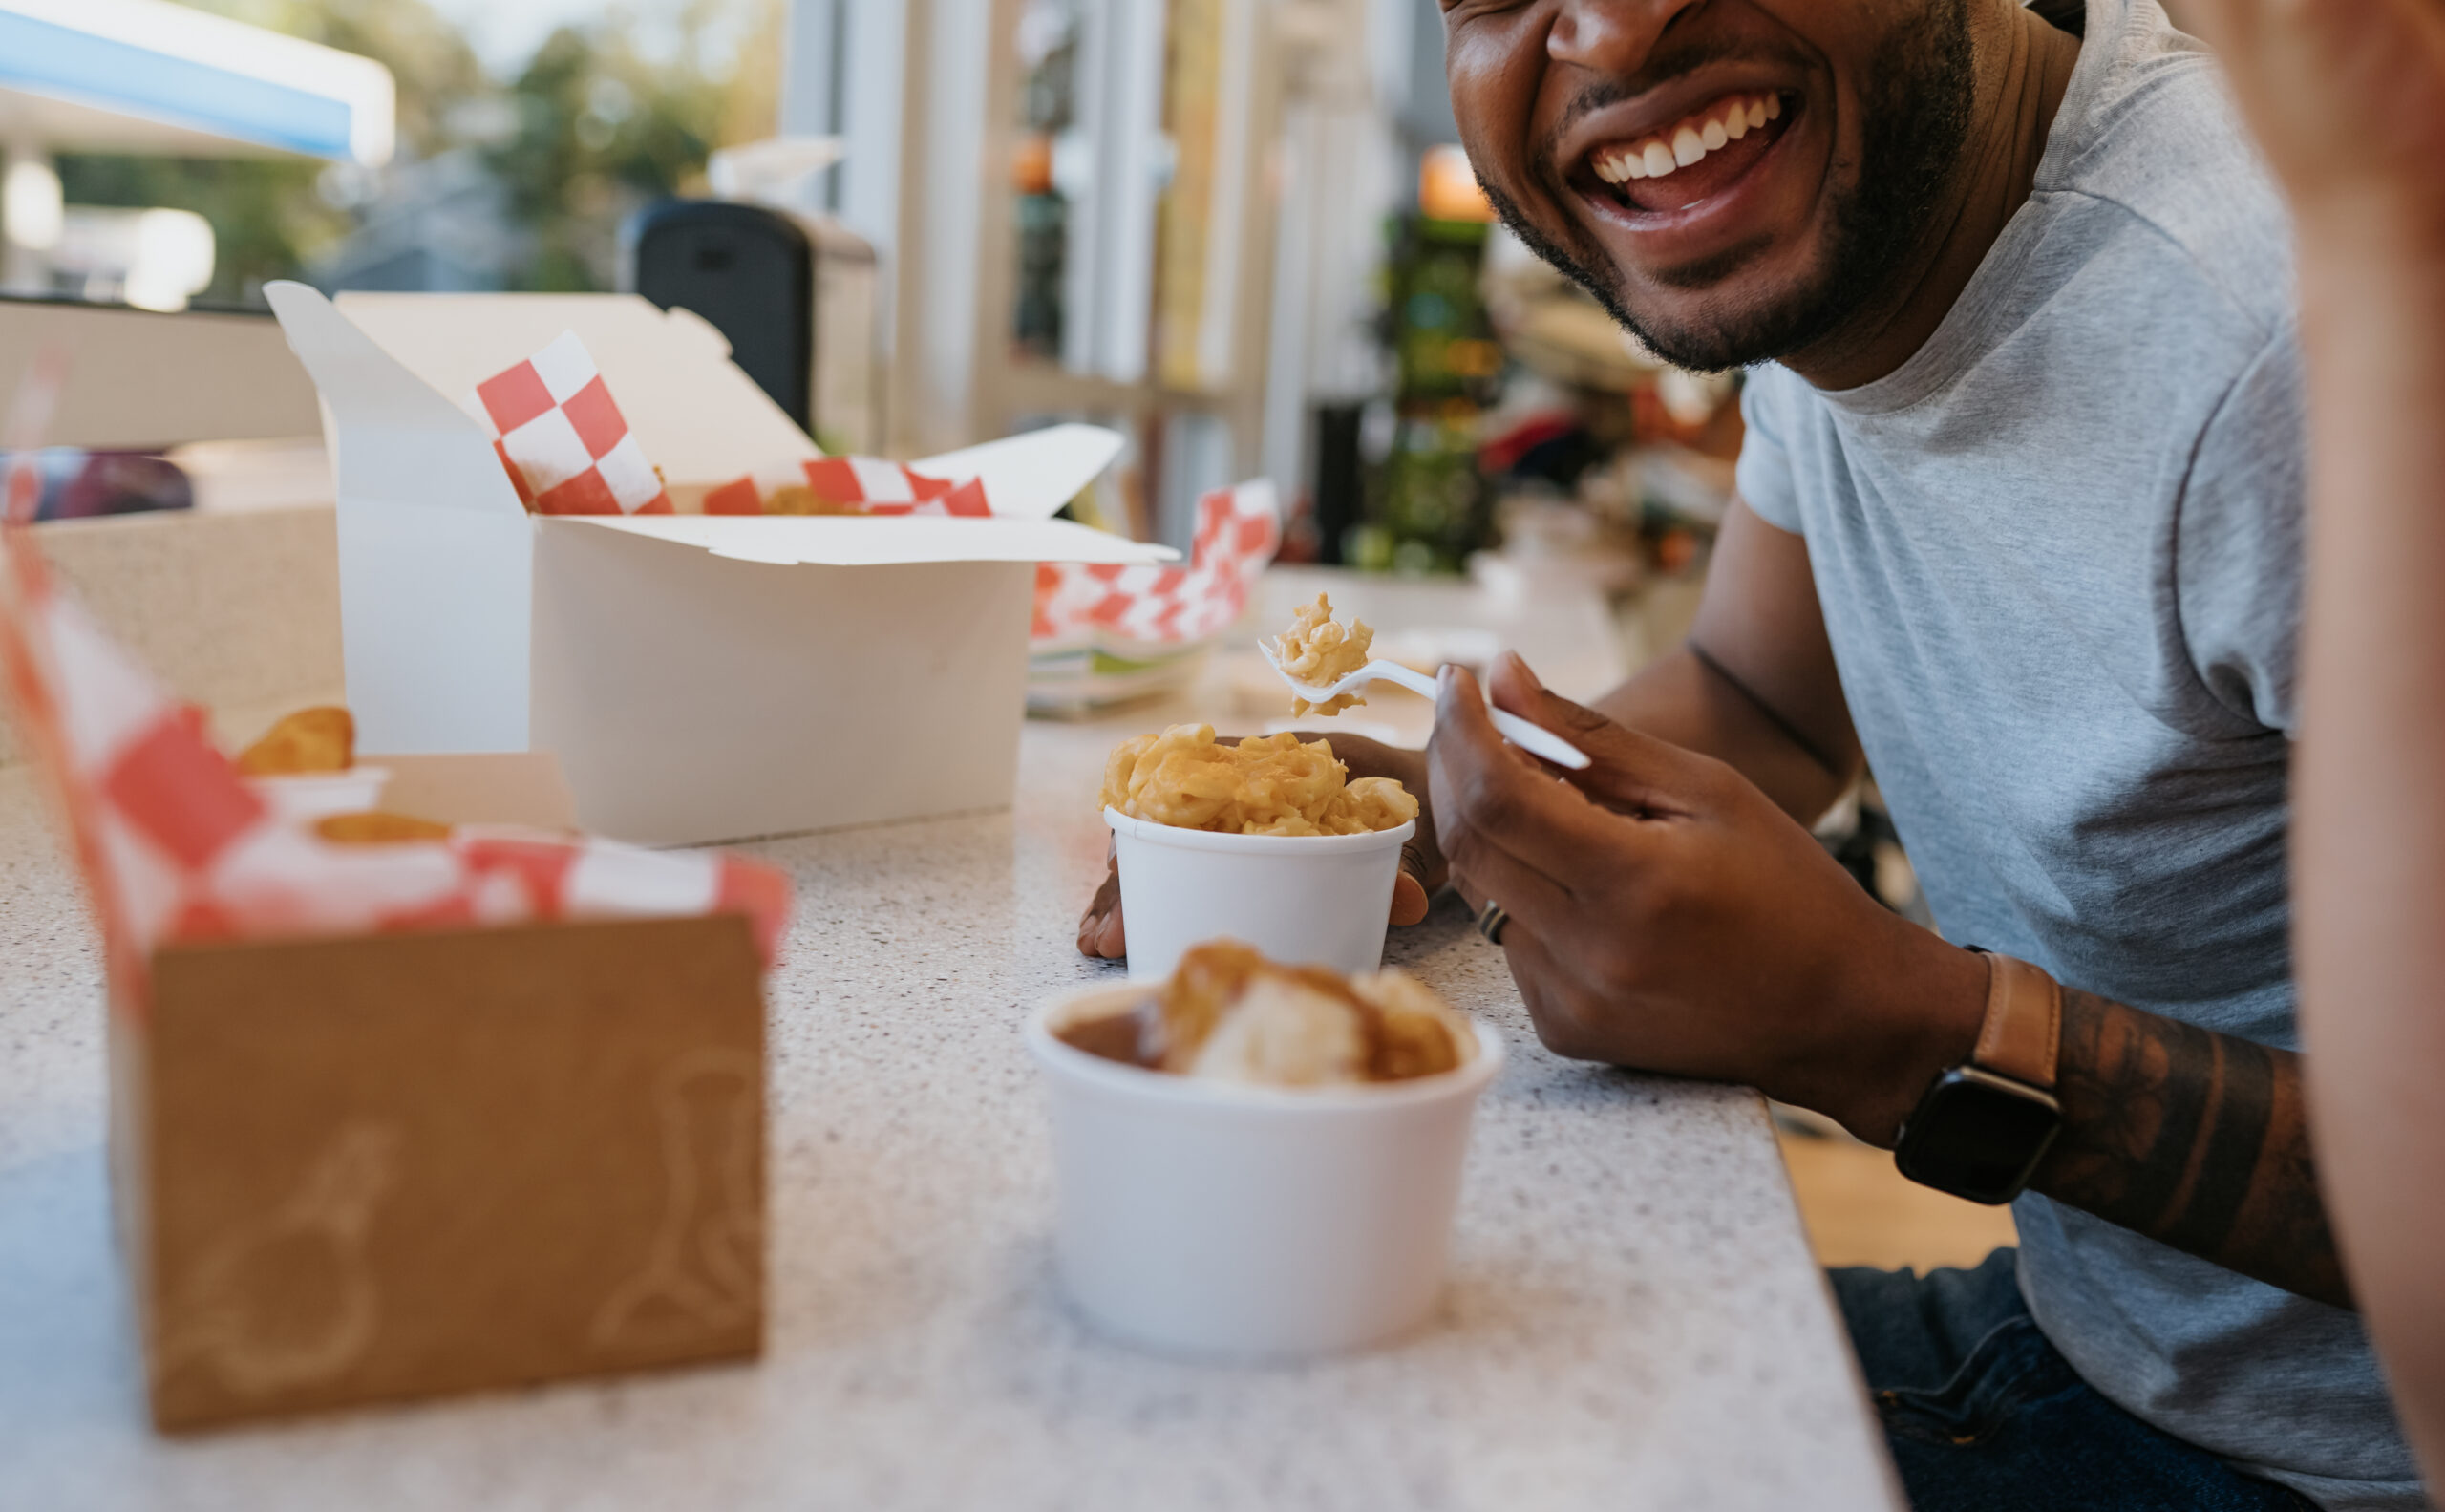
x: 1598, y: 93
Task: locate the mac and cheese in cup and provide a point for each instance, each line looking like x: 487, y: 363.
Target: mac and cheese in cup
x: 1266, y: 841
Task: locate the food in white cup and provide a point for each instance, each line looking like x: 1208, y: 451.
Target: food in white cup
x: 1288, y: 1190
x: 1266, y: 841
x: 1226, y: 1014
x: 1264, y: 785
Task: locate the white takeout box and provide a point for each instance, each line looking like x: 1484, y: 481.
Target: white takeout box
x: 700, y: 677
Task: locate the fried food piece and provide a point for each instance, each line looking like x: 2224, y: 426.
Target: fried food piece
x: 1286, y: 1030
x: 1271, y: 785
x: 321, y: 739
x: 1228, y: 1014
x: 1422, y: 1035
x: 1319, y: 651
x: 797, y: 499
x: 373, y: 827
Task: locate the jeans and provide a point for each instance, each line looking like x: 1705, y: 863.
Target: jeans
x: 1984, y: 1416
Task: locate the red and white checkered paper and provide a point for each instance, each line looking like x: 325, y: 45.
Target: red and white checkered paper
x: 176, y: 846
x: 567, y: 448
x: 862, y: 485
x: 1237, y: 534
x: 569, y: 452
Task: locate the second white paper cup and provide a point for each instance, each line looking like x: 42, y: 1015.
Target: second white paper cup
x: 1245, y: 1223
x: 1303, y: 900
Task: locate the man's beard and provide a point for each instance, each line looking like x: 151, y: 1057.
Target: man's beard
x: 1915, y: 123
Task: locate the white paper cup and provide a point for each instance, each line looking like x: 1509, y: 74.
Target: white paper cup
x: 302, y: 797
x: 1238, y: 1223
x: 1303, y: 900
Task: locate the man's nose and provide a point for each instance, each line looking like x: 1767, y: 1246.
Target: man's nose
x: 1611, y: 37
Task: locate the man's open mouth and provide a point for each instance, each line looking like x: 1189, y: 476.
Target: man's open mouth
x: 1693, y: 160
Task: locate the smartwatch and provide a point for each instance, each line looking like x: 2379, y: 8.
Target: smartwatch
x: 1981, y: 1130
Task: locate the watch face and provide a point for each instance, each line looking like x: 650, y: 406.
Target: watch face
x: 1978, y: 1136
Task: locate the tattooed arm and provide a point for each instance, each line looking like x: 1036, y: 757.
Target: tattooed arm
x: 2197, y: 1140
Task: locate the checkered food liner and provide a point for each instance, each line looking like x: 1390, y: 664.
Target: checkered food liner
x: 176, y: 846
x: 565, y: 442
x: 569, y: 452
x: 1083, y: 603
x: 848, y: 485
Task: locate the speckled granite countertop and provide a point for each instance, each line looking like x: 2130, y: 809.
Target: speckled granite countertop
x: 1633, y: 1319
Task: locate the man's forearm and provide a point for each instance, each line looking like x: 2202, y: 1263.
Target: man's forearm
x: 2197, y: 1140
x: 1681, y: 698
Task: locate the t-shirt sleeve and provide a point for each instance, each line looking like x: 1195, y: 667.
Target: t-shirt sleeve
x: 1764, y: 476
x: 2238, y: 554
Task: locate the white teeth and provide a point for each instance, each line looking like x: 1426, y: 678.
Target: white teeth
x: 1659, y: 155
x: 1620, y: 169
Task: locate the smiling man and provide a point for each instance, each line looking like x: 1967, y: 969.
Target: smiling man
x: 1749, y: 189
x: 2019, y: 527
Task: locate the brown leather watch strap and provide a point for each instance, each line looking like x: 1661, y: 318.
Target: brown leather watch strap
x: 2024, y: 1026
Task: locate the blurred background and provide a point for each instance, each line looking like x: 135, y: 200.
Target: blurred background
x: 1240, y: 230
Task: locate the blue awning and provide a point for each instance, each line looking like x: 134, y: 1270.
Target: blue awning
x: 136, y: 76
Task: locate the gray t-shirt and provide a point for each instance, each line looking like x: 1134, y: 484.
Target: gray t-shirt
x: 2059, y: 556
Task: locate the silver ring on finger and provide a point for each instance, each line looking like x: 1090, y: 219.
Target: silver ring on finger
x: 1491, y: 920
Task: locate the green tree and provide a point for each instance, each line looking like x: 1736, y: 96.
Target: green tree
x: 267, y: 217
x: 603, y: 129
x: 271, y: 215
x: 434, y: 65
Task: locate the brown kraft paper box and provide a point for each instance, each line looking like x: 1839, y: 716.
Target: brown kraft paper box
x: 387, y: 1167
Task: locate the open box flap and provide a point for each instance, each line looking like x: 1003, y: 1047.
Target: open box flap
x: 435, y: 551
x: 398, y: 441
x: 1033, y: 474
x: 696, y: 414
x: 843, y: 540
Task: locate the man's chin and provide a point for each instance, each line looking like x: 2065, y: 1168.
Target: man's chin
x: 1731, y: 310
x: 1720, y: 334
x: 1708, y: 324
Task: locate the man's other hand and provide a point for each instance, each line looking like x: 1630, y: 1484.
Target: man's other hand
x: 1101, y: 935
x: 1665, y: 914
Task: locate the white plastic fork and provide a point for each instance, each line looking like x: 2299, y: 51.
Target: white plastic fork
x: 1535, y: 740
